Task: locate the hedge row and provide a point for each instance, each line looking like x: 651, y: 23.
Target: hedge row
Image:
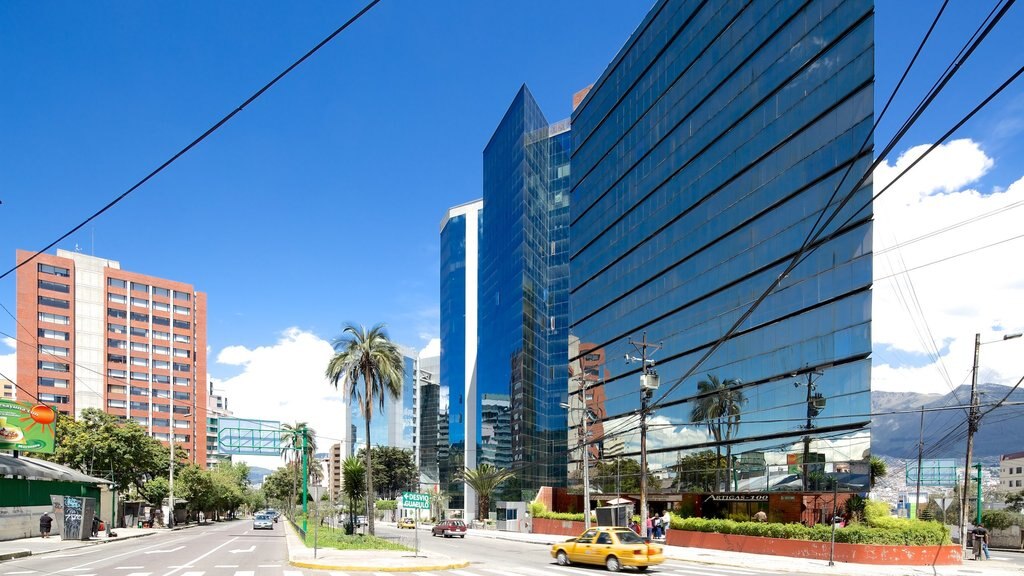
x: 898, y: 533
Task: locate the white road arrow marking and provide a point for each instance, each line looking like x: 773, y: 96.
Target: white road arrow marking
x: 164, y: 551
x: 250, y: 549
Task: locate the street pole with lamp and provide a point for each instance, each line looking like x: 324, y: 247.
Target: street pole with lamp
x: 648, y: 384
x: 586, y: 451
x: 973, y: 422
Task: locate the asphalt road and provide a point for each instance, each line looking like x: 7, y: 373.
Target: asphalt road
x: 491, y: 557
x: 225, y: 549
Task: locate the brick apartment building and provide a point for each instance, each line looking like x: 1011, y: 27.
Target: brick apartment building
x: 92, y: 335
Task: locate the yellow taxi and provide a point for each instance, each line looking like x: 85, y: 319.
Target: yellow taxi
x: 612, y: 546
x: 407, y: 523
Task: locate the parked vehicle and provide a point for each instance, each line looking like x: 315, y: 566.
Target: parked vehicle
x: 449, y: 528
x: 612, y: 546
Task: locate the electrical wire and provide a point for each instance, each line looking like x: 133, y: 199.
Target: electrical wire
x: 199, y: 139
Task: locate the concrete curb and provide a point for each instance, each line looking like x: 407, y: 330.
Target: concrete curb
x: 433, y: 568
x: 15, y: 554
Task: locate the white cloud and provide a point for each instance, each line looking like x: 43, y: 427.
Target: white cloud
x: 11, y: 343
x: 975, y: 293
x: 285, y: 382
x: 9, y: 365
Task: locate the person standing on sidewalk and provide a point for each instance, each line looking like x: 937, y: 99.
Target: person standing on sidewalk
x: 650, y: 528
x: 666, y: 520
x: 45, y: 523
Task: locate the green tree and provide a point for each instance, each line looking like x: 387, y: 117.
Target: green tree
x: 877, y: 470
x: 278, y: 485
x: 1015, y: 501
x: 99, y: 444
x: 196, y: 487
x: 156, y: 490
x: 370, y: 355
x: 394, y: 470
x: 696, y: 472
x: 353, y: 474
x: 619, y: 476
x: 720, y: 407
x: 484, y: 480
x: 292, y: 451
x: 998, y: 519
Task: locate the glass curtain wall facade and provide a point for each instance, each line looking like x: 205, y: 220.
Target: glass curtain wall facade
x: 523, y: 294
x: 702, y: 161
x: 460, y: 240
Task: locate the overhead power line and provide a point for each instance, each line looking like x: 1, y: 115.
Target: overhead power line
x: 201, y: 137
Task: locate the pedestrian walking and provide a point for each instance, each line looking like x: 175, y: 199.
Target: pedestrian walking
x: 981, y: 537
x: 650, y: 527
x: 666, y: 521
x: 45, y: 522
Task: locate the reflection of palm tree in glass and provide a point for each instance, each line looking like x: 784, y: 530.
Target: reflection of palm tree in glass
x: 719, y: 408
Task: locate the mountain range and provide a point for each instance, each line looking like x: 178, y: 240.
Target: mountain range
x: 896, y: 426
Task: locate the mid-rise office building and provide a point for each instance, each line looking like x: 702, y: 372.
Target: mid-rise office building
x: 1011, y: 472
x: 461, y: 231
x: 715, y: 144
x: 7, y: 389
x: 96, y: 336
x: 427, y: 411
x: 217, y: 409
x: 334, y: 477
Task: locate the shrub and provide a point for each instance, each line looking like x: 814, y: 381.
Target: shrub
x: 891, y: 531
x: 536, y: 509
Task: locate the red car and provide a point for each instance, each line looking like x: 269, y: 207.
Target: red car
x: 448, y: 528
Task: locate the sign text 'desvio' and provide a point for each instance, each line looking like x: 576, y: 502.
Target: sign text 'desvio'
x: 415, y: 500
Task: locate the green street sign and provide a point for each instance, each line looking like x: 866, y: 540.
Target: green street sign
x: 27, y: 427
x: 415, y: 500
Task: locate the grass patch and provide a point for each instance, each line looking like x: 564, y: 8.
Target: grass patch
x: 334, y: 538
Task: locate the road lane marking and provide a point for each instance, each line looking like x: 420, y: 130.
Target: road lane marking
x: 268, y: 565
x: 104, y: 559
x: 240, y: 551
x: 192, y: 573
x: 245, y: 573
x: 203, y: 556
x: 75, y: 569
x: 297, y: 573
x: 140, y: 574
x: 702, y: 570
x: 226, y: 566
x: 164, y: 551
x: 128, y: 568
x: 33, y: 571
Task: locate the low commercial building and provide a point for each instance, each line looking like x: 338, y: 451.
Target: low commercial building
x: 1011, y: 472
x: 26, y: 488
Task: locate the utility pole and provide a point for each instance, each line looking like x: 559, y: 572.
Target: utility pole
x: 812, y: 411
x: 972, y: 426
x: 305, y: 477
x: 586, y: 455
x: 170, y: 497
x: 920, y: 460
x: 648, y: 383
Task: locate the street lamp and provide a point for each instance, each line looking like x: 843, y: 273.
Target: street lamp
x: 586, y: 451
x: 973, y: 423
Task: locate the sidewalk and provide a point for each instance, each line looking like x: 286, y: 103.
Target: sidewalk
x: 364, y: 560
x: 782, y: 563
x: 35, y: 546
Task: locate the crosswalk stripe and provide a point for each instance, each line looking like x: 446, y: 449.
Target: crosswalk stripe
x: 462, y: 573
x: 292, y: 573
x: 140, y: 574
x: 192, y: 573
x: 241, y: 573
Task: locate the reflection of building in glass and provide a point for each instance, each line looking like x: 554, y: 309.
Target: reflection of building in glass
x: 703, y: 158
x: 460, y: 240
x: 523, y: 287
x: 426, y: 412
x: 495, y: 431
x: 389, y: 426
x: 585, y: 374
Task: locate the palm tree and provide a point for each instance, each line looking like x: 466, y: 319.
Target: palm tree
x: 484, y: 480
x: 291, y: 450
x: 353, y: 477
x: 368, y: 354
x: 719, y: 407
x: 878, y: 469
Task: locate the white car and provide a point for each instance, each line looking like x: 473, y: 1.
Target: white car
x: 262, y: 521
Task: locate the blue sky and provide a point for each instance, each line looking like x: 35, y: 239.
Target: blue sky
x: 321, y: 202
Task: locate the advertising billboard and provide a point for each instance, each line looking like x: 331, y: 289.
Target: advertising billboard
x: 27, y: 427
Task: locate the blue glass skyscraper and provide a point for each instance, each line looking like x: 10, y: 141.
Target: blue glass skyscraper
x: 460, y: 241
x: 703, y: 159
x: 523, y: 295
